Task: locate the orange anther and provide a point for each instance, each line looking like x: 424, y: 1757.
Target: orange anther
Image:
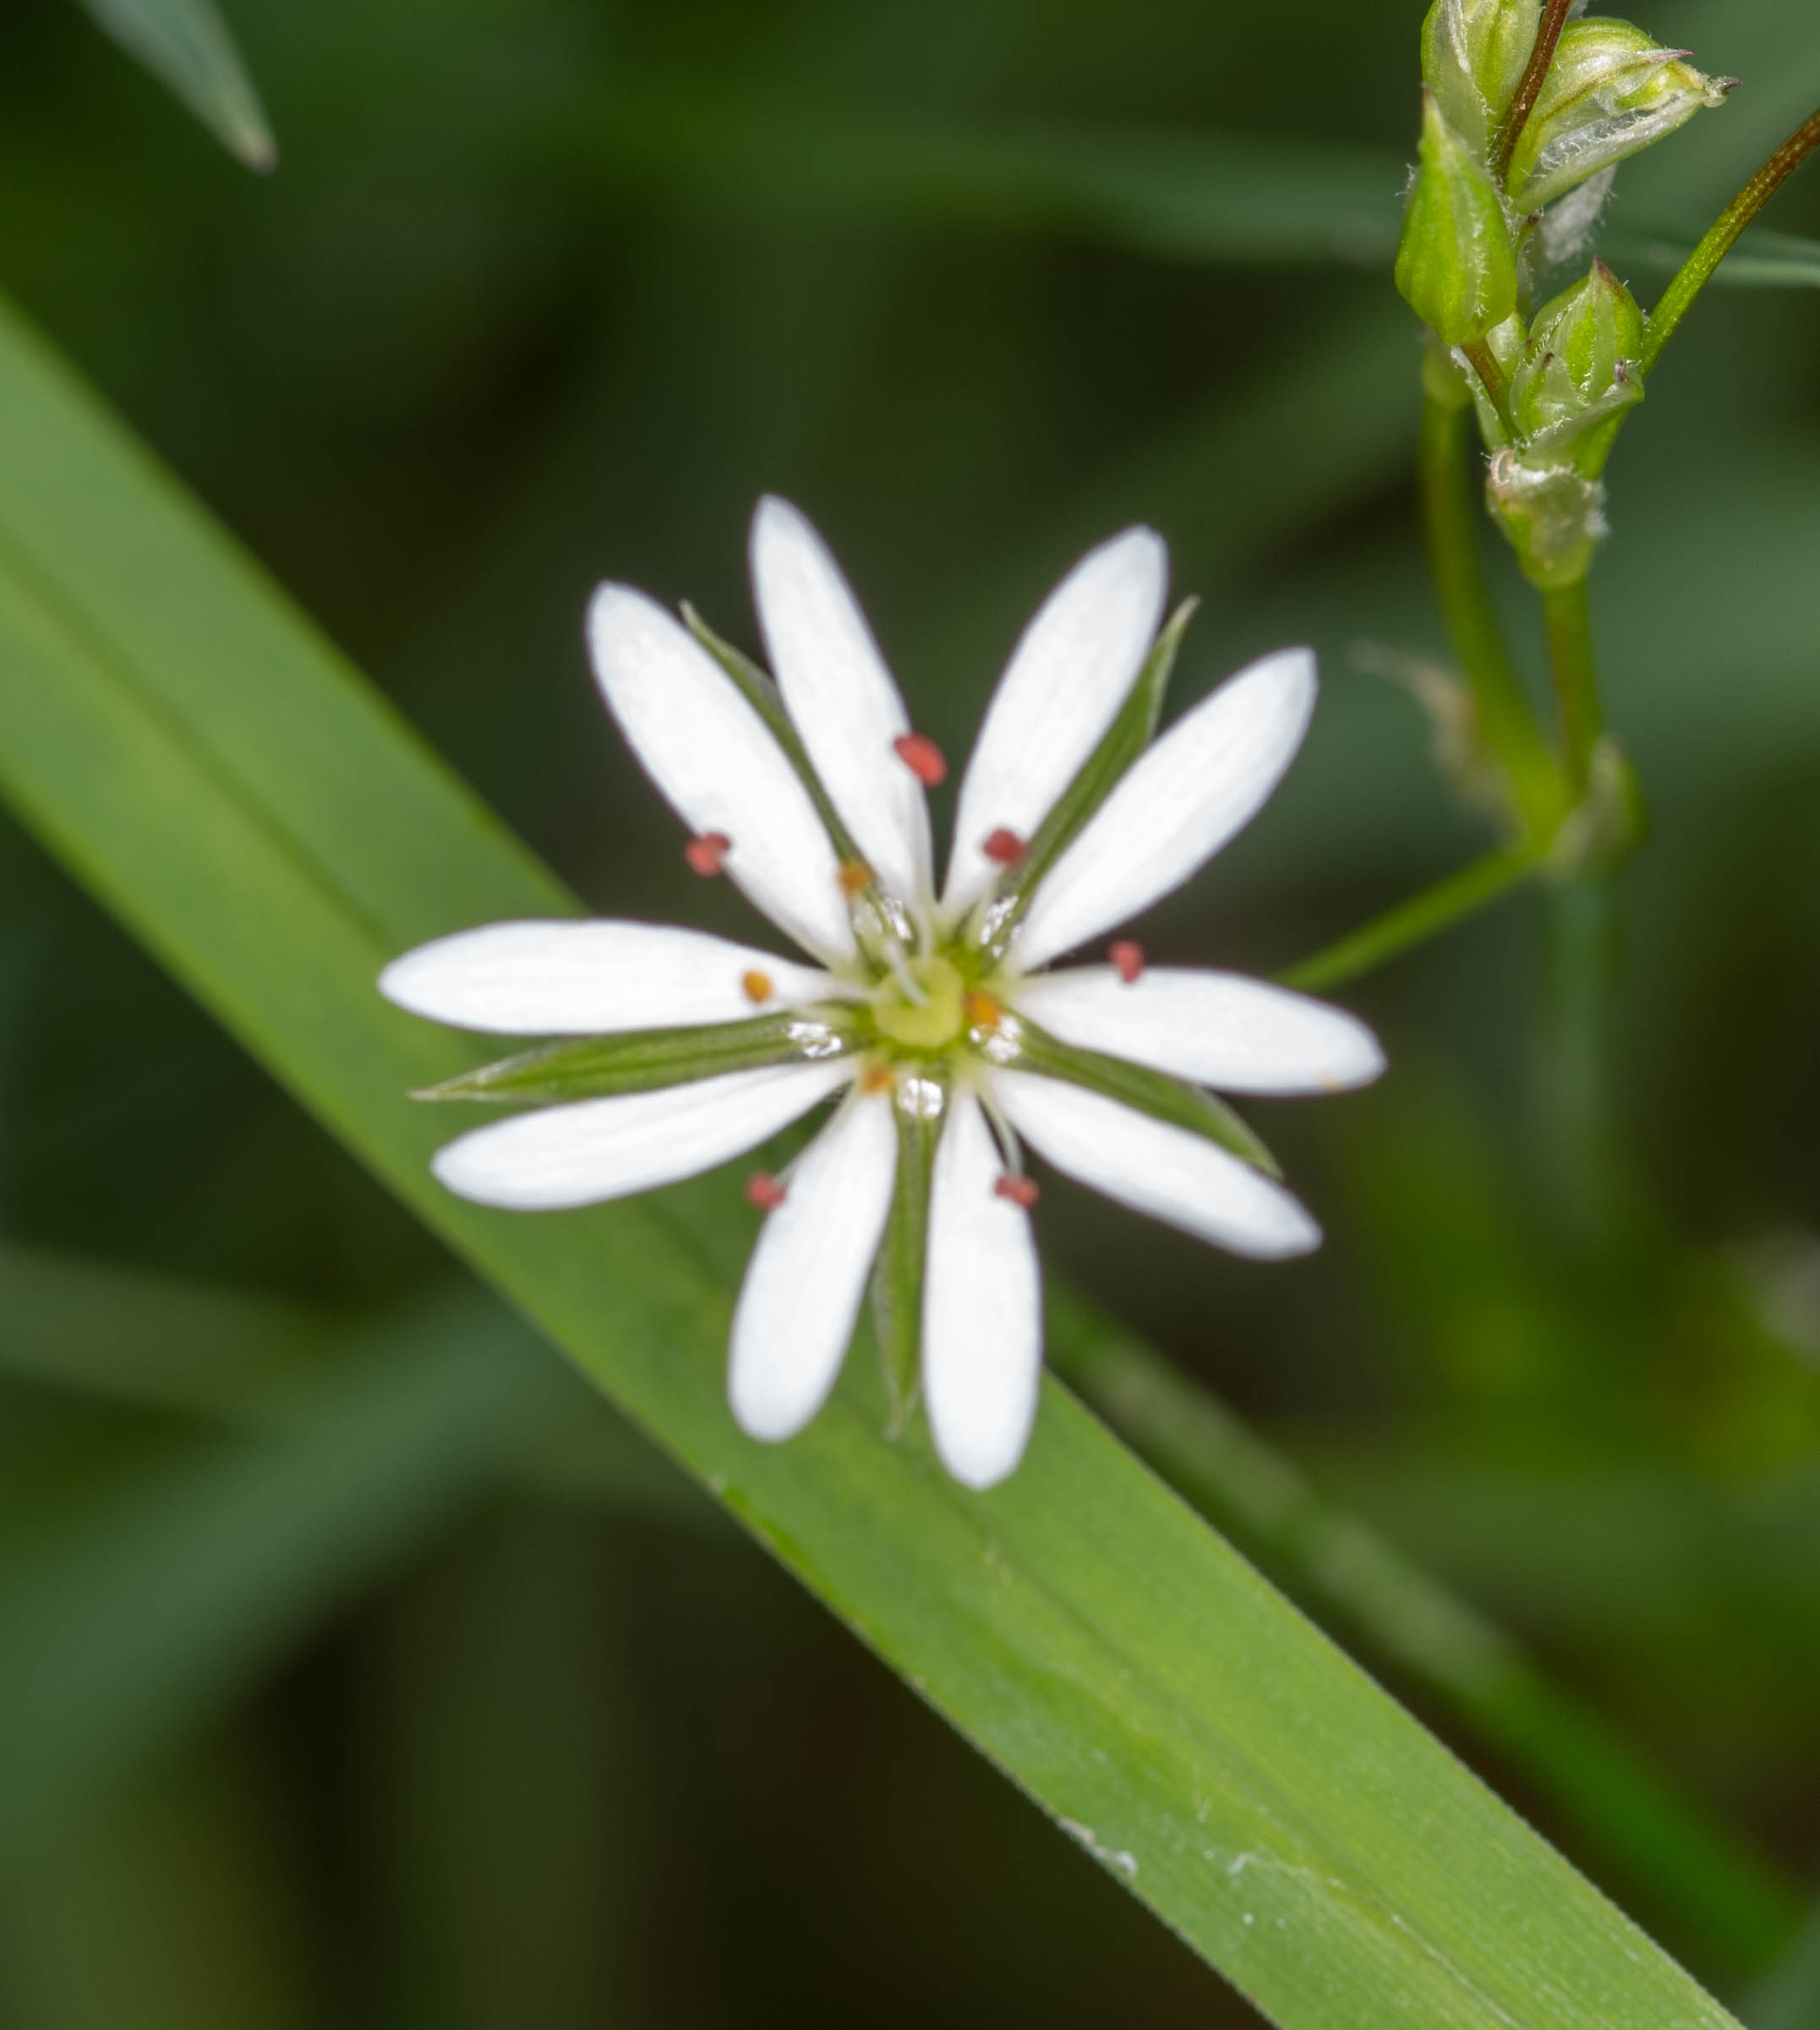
x: 764, y: 1190
x: 854, y: 877
x: 877, y: 1078
x: 1022, y: 1191
x: 983, y: 1012
x: 758, y: 987
x: 1005, y: 847
x: 922, y: 757
x: 708, y: 854
x: 1128, y: 959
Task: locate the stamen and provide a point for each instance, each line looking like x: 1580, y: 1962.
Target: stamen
x: 764, y: 1190
x: 877, y: 1078
x: 854, y: 877
x: 922, y: 757
x: 1005, y: 847
x: 758, y: 987
x: 983, y: 1012
x: 909, y: 986
x: 708, y: 855
x: 1128, y: 959
x: 1022, y: 1191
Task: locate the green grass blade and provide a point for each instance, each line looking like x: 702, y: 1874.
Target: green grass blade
x: 1789, y: 1999
x: 190, y: 1567
x: 252, y: 1363
x: 1691, y: 1869
x: 210, y: 770
x: 187, y: 43
x: 1184, y: 195
x: 127, y: 1337
x: 1762, y: 260
x: 1222, y: 199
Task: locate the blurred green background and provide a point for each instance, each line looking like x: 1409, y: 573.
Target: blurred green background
x: 414, y: 1721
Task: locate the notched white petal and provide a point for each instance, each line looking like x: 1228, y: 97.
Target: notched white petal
x: 1216, y: 1029
x: 841, y: 695
x: 1062, y: 688
x: 715, y: 760
x: 562, y: 1156
x: 808, y: 1274
x: 593, y: 979
x: 1180, y: 802
x: 982, y: 1308
x: 1165, y: 1172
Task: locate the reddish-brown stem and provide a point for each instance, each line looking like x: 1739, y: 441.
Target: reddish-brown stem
x: 1484, y: 363
x: 1517, y: 116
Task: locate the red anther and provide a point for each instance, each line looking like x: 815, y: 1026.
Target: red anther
x: 1022, y: 1191
x: 1128, y: 959
x: 708, y: 855
x: 764, y: 1190
x: 1004, y: 846
x: 922, y: 757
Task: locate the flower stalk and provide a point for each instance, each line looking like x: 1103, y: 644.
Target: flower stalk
x: 1529, y: 89
x: 1506, y: 726
x: 1575, y: 680
x: 1678, y: 298
x: 1453, y: 900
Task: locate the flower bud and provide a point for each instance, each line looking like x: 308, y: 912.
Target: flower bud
x: 1580, y: 372
x: 1457, y: 261
x: 1473, y: 54
x: 1611, y: 90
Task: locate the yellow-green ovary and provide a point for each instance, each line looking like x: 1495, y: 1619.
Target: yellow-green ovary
x: 934, y: 1022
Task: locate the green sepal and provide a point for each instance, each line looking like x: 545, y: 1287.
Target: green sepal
x: 644, y: 1059
x: 1456, y: 260
x: 1611, y: 90
x: 1473, y: 56
x: 1129, y: 734
x: 1022, y: 1047
x: 897, y: 1272
x: 760, y: 691
x: 1580, y: 372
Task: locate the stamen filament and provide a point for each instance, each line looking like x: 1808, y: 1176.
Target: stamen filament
x: 908, y: 984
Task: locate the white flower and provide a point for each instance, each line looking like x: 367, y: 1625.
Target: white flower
x: 927, y: 1013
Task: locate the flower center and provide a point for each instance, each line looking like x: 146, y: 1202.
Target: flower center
x: 923, y: 1005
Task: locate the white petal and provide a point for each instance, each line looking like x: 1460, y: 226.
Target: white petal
x: 838, y: 692
x: 1167, y: 1173
x: 808, y: 1274
x: 713, y: 757
x: 1216, y: 1029
x: 1067, y: 678
x: 593, y: 979
x: 1179, y: 805
x: 578, y: 1154
x: 982, y: 1308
